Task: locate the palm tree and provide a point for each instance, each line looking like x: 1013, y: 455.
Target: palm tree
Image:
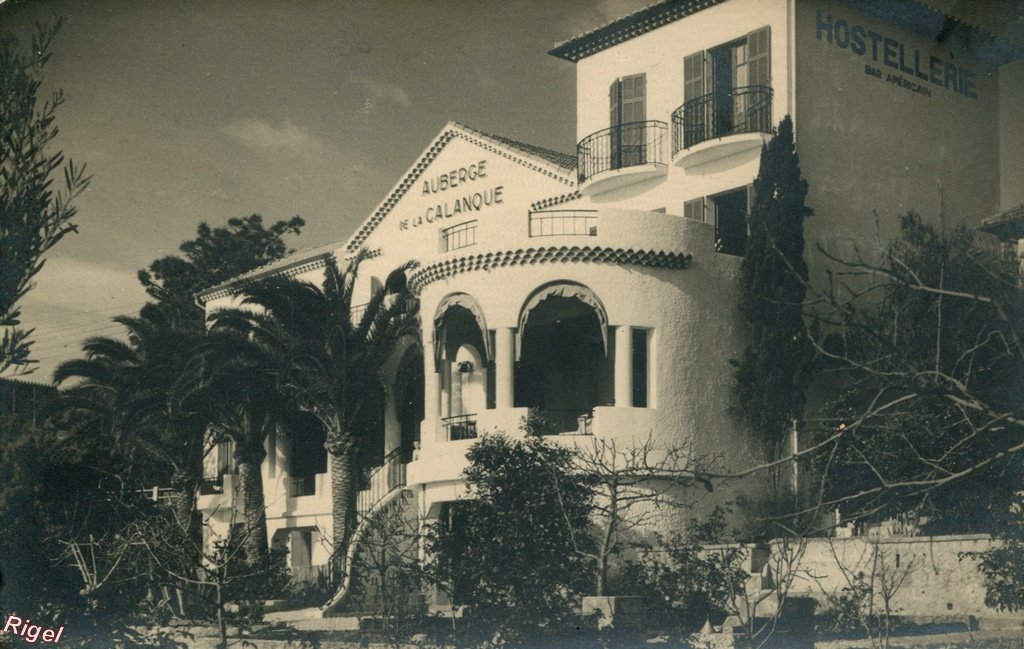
x: 238, y: 384
x: 131, y: 389
x: 329, y: 357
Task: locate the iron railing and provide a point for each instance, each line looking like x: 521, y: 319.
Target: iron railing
x: 303, y: 485
x: 555, y: 223
x: 382, y: 480
x: 459, y: 236
x: 747, y: 109
x: 460, y: 427
x: 624, y: 145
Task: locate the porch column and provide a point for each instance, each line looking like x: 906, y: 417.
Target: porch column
x: 623, y: 366
x: 431, y: 394
x: 504, y: 365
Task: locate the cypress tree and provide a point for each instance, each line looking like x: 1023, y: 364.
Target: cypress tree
x: 775, y: 367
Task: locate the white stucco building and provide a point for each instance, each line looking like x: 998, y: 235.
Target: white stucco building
x: 600, y: 286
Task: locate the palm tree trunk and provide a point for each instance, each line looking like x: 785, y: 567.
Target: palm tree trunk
x: 187, y: 519
x: 344, y: 489
x: 255, y: 535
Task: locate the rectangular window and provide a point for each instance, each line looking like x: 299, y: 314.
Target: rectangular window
x: 627, y: 112
x: 730, y: 212
x: 694, y: 209
x: 641, y: 362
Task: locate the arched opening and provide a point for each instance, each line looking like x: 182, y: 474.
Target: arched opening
x: 466, y: 372
x: 564, y: 370
x: 409, y: 389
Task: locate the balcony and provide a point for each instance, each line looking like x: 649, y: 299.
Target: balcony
x: 458, y: 236
x: 721, y: 124
x: 621, y: 155
x: 563, y: 223
x: 459, y: 427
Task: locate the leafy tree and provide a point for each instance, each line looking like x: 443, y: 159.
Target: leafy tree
x: 688, y: 584
x: 135, y: 389
x: 508, y: 551
x: 775, y: 367
x: 34, y: 216
x: 326, y: 358
x: 214, y: 256
x: 928, y: 419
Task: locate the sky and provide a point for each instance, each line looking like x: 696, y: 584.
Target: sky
x: 202, y: 110
x: 187, y: 111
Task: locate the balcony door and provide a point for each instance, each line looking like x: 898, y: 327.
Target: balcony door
x: 627, y: 112
x: 726, y: 89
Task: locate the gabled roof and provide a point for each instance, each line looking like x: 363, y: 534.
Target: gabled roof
x: 559, y: 166
x: 911, y: 14
x: 293, y: 264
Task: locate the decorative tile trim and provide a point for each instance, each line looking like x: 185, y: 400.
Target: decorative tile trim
x: 554, y: 200
x: 529, y: 256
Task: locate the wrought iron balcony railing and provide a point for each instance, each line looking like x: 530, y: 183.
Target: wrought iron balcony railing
x: 459, y: 236
x: 621, y: 146
x: 554, y: 223
x: 460, y: 427
x: 747, y: 109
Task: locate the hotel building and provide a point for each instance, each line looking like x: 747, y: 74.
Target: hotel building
x: 600, y: 286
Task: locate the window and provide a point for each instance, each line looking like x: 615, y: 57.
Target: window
x: 627, y: 98
x: 641, y: 362
x: 627, y: 112
x: 458, y: 236
x: 730, y: 212
x: 727, y: 89
x: 694, y: 209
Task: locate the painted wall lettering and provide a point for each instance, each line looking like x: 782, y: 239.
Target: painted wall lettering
x: 913, y: 68
x: 461, y: 203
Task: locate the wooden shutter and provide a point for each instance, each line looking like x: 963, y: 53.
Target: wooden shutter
x: 759, y: 57
x: 634, y: 102
x: 694, y: 209
x: 693, y: 76
x: 614, y: 101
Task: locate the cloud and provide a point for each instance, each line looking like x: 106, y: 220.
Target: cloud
x: 260, y: 134
x: 377, y: 91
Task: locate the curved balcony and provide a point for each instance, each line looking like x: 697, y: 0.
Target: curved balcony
x: 621, y: 155
x: 721, y: 124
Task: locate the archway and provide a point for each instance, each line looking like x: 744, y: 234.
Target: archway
x: 462, y: 348
x: 564, y: 370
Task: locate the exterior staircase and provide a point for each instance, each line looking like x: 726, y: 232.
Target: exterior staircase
x: 387, y: 486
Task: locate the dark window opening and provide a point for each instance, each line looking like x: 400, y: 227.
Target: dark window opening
x: 409, y: 388
x: 308, y: 456
x: 731, y: 222
x: 640, y: 367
